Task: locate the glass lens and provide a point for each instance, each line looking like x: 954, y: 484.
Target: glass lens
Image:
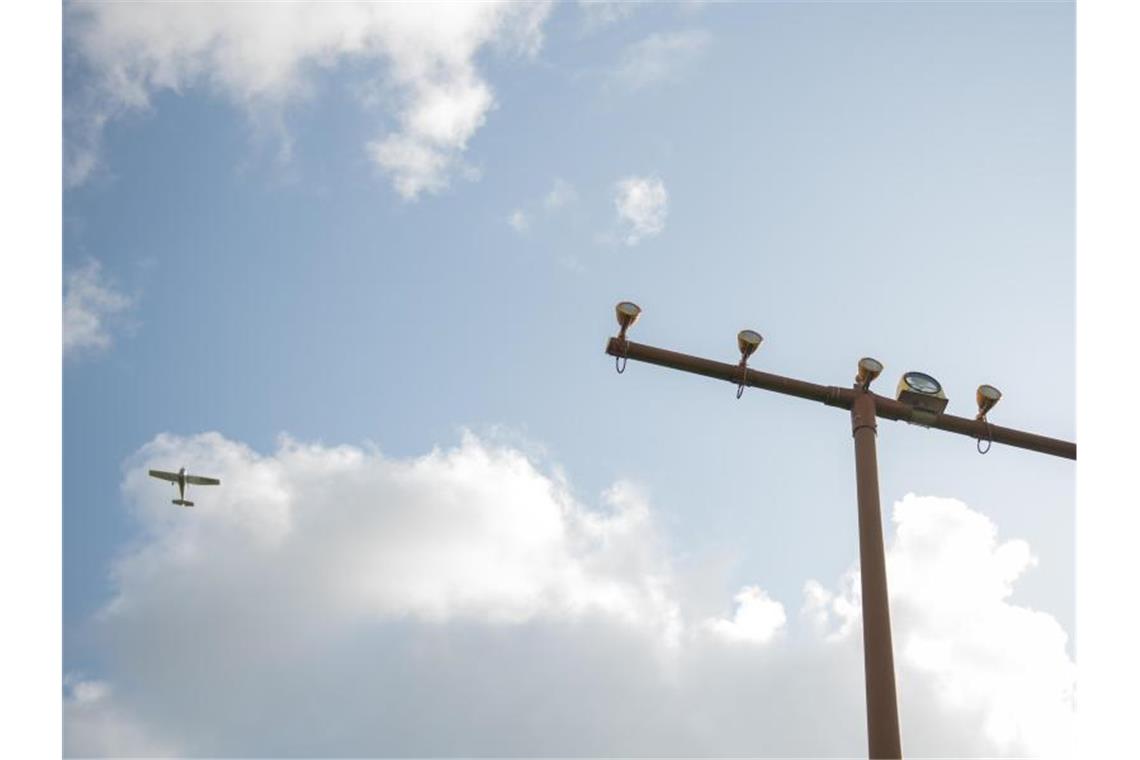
x: 922, y: 383
x: 750, y: 336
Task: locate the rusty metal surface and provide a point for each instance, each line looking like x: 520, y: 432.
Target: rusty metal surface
x: 886, y: 408
x: 883, y: 737
x: 719, y: 370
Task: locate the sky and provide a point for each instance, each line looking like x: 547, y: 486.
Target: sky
x: 361, y: 264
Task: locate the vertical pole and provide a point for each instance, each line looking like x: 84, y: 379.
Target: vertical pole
x: 878, y: 661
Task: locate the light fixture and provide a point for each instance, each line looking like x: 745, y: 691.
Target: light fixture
x: 748, y: 341
x: 627, y: 313
x: 924, y: 395
x: 987, y: 397
x: 869, y: 369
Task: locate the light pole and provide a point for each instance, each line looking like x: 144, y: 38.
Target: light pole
x: 920, y: 402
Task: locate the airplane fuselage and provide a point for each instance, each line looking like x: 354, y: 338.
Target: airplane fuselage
x: 183, y: 479
x: 181, y: 482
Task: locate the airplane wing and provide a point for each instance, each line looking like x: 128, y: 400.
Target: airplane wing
x: 171, y: 476
x: 200, y: 481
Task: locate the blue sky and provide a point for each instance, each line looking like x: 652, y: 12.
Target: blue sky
x: 872, y: 179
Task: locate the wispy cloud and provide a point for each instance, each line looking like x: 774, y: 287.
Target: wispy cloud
x: 518, y: 221
x: 599, y: 14
x: 95, y: 725
x: 260, y: 57
x: 560, y: 195
x: 660, y: 57
x: 91, y: 305
x: 642, y: 205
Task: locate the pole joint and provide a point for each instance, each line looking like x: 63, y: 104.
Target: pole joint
x: 863, y: 411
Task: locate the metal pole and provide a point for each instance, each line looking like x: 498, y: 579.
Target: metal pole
x: 883, y: 740
x: 887, y: 408
x: 878, y: 660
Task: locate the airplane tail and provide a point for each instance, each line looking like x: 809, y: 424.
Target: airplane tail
x: 182, y: 502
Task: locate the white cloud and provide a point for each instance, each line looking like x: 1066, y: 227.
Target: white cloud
x: 561, y: 194
x: 90, y: 306
x: 956, y: 630
x: 95, y: 726
x: 518, y: 221
x: 598, y: 14
x: 475, y: 533
x: 642, y: 205
x: 335, y: 601
x: 758, y: 618
x: 659, y: 58
x: 261, y: 55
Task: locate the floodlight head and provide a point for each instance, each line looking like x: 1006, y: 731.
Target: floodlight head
x: 925, y: 396
x: 748, y: 341
x: 869, y: 369
x: 987, y: 397
x: 627, y: 313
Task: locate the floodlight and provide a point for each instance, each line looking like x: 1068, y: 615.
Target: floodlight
x: 920, y: 382
x: 869, y: 369
x: 627, y: 314
x: 987, y: 396
x: 924, y: 395
x: 748, y: 341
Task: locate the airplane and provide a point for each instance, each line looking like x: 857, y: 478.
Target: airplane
x: 183, y: 479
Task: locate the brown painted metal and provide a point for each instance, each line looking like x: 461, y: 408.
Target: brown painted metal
x: 883, y: 739
x: 887, y: 408
x: 731, y: 372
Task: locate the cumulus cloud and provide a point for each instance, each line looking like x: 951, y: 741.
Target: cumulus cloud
x: 91, y: 305
x: 475, y: 532
x: 642, y: 204
x: 956, y: 632
x: 659, y: 58
x: 330, y: 600
x: 758, y: 618
x: 261, y: 57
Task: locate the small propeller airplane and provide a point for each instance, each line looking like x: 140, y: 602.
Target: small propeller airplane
x: 182, y: 478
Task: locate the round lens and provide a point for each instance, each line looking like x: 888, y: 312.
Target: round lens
x: 629, y: 308
x: 750, y: 336
x: 989, y: 392
x: 922, y: 383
